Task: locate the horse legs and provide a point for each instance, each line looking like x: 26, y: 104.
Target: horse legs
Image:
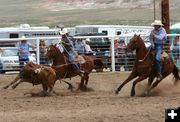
x: 154, y: 85
x: 150, y: 81
x: 132, y: 76
x: 70, y: 86
x: 135, y: 82
x: 14, y: 81
x: 81, y: 85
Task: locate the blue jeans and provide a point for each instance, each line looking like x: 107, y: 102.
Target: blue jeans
x: 158, y: 48
x: 71, y: 60
x: 22, y: 61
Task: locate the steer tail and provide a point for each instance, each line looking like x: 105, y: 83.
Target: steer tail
x: 176, y: 74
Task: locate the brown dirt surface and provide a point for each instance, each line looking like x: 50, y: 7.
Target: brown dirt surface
x: 97, y: 105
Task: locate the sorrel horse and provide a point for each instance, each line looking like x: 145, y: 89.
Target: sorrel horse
x: 59, y: 58
x: 143, y: 67
x: 36, y: 74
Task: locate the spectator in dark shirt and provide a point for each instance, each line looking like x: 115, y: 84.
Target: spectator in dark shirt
x: 42, y: 47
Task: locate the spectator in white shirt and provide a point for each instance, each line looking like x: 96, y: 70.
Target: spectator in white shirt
x: 88, y: 50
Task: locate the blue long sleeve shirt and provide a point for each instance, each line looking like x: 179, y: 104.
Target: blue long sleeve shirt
x: 159, y: 37
x: 25, y: 47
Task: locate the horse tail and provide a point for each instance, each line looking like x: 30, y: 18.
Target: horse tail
x: 176, y: 74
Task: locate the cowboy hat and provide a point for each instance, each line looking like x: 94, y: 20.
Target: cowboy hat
x: 157, y: 22
x: 23, y: 38
x: 87, y: 40
x: 64, y: 31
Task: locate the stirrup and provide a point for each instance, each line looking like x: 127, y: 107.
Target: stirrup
x: 81, y: 73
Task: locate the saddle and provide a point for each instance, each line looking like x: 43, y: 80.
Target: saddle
x: 165, y: 58
x: 79, y: 59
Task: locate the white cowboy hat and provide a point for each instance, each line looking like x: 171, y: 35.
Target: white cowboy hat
x: 157, y: 22
x: 87, y: 40
x: 23, y: 38
x: 64, y: 31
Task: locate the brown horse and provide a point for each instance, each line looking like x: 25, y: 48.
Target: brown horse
x: 143, y: 67
x: 59, y: 58
x: 36, y: 74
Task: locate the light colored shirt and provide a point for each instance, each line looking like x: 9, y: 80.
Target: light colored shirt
x: 87, y: 48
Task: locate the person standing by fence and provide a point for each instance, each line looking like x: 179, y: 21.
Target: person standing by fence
x: 122, y: 54
x: 87, y: 47
x: 42, y: 47
x: 23, y: 51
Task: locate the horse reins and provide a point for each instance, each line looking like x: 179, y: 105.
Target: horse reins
x: 146, y: 55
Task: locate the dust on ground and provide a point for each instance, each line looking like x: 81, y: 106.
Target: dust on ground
x: 97, y: 105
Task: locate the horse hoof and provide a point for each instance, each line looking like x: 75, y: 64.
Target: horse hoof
x: 132, y: 94
x: 70, y: 88
x: 55, y: 93
x: 116, y: 92
x: 143, y: 95
x: 5, y: 87
x: 13, y: 87
x: 83, y: 88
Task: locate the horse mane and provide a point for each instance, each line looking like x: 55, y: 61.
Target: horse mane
x: 141, y: 41
x: 57, y: 50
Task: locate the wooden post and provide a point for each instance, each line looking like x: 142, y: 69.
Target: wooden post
x: 166, y: 19
x: 165, y: 15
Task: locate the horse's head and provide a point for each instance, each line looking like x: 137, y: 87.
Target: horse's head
x: 135, y: 43
x: 51, y: 51
x: 55, y: 53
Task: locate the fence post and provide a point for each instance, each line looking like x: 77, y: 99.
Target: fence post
x: 37, y: 52
x: 112, y: 54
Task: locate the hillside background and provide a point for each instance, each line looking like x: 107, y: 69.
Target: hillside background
x: 75, y: 12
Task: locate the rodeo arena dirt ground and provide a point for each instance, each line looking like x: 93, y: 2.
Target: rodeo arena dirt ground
x: 96, y: 105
